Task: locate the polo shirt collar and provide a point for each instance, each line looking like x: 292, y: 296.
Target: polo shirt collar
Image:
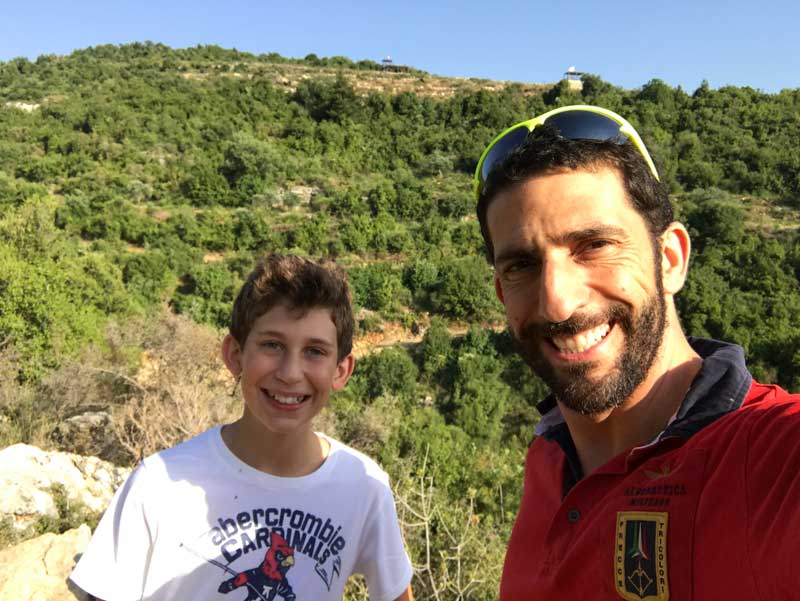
x: 719, y: 388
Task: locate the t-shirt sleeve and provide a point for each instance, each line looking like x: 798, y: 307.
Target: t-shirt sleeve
x: 383, y: 559
x: 114, y: 565
x: 773, y: 501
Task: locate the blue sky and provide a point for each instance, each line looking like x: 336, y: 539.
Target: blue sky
x: 626, y: 43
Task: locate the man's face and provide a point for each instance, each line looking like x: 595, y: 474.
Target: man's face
x: 576, y: 271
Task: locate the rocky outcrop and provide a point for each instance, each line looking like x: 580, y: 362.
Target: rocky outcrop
x: 37, y: 569
x: 28, y: 476
x: 89, y: 434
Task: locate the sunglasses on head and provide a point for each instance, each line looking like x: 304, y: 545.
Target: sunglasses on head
x: 577, y: 122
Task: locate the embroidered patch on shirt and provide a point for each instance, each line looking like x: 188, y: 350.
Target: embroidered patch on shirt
x: 640, y: 558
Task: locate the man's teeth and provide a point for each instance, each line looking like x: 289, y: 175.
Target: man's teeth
x: 583, y: 341
x: 288, y: 400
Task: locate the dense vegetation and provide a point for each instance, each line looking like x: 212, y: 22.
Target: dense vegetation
x: 139, y: 177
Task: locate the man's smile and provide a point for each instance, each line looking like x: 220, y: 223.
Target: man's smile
x: 582, y: 341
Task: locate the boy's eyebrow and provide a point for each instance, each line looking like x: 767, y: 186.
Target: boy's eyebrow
x: 279, y: 334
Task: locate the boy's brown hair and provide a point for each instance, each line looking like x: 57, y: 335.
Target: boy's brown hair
x: 301, y: 284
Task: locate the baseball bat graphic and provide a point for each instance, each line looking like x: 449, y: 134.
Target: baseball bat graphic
x: 221, y: 565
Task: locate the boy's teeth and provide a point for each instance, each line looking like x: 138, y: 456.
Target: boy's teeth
x: 288, y: 400
x: 583, y: 341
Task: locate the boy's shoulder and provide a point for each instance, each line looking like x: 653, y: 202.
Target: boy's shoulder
x: 204, y: 459
x: 192, y: 454
x: 200, y: 444
x: 356, y: 464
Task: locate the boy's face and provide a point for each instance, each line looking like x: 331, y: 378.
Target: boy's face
x: 288, y: 367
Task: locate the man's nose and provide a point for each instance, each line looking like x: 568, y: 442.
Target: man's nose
x: 562, y: 290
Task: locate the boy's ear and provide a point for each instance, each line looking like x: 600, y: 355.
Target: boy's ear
x: 344, y: 369
x: 231, y: 355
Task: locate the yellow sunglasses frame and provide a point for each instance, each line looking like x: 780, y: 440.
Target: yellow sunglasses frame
x: 624, y: 128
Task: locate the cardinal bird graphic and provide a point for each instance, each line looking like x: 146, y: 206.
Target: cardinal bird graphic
x: 269, y: 578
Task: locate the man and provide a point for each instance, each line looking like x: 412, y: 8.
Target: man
x: 661, y: 470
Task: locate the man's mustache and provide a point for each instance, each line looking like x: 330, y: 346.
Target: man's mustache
x: 616, y: 312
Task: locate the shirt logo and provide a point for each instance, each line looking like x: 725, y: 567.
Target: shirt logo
x: 665, y: 470
x: 640, y: 558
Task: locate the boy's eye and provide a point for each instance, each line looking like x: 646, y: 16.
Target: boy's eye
x: 315, y: 352
x: 271, y: 345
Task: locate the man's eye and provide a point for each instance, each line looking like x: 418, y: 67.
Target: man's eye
x: 516, y: 269
x: 593, y: 245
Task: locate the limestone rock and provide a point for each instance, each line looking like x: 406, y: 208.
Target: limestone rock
x: 27, y: 474
x: 37, y: 569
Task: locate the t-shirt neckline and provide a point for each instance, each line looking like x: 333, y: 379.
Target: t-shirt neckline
x: 241, y: 469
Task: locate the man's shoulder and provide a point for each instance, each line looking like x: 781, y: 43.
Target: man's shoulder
x: 767, y: 395
x: 768, y: 415
x: 768, y: 404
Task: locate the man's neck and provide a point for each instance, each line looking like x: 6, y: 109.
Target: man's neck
x: 645, y: 414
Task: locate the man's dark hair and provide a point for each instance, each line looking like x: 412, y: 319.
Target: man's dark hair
x: 301, y: 285
x: 545, y: 151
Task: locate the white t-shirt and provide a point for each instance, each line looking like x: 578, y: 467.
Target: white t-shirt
x: 195, y: 523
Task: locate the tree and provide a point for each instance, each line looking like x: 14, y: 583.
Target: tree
x: 433, y: 353
x: 333, y: 100
x: 465, y: 289
x: 391, y: 371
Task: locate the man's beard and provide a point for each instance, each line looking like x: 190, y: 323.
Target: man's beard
x: 571, y: 384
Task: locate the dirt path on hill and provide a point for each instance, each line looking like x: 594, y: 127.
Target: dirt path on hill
x: 392, y: 334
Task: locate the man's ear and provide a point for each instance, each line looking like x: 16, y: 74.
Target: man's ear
x: 675, y: 250
x: 498, y: 289
x: 232, y: 355
x: 344, y: 369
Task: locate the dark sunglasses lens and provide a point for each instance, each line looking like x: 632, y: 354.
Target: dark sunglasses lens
x: 501, y: 149
x: 577, y: 125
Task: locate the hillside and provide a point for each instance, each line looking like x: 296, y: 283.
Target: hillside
x: 364, y: 82
x: 139, y: 183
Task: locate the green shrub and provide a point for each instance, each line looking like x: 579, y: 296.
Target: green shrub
x: 465, y: 290
x: 391, y: 371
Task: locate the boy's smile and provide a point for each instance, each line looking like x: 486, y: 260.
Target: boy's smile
x: 288, y: 367
x: 287, y: 400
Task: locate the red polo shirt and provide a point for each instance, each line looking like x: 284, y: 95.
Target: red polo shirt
x: 709, y: 511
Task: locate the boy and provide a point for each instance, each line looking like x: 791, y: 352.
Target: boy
x: 262, y: 508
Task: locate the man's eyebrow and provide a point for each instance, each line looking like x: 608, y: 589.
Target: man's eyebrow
x: 515, y: 253
x: 601, y: 230
x: 589, y: 232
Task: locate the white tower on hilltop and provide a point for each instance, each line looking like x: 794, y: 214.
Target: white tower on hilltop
x: 573, y: 78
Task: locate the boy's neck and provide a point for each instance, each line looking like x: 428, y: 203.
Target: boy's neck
x: 289, y: 456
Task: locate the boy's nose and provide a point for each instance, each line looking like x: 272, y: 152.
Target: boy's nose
x: 289, y: 369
